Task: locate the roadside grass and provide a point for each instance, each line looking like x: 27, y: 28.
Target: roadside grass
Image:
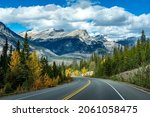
x: 139, y: 77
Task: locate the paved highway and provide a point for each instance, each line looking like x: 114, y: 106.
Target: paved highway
x: 85, y: 89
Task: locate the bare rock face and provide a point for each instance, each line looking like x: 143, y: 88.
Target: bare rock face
x: 54, y: 43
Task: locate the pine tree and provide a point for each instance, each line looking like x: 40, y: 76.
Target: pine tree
x: 55, y: 70
x: 25, y: 50
x: 1, y: 78
x: 4, y: 57
x: 143, y: 37
x: 18, y: 46
x: 10, y: 53
x: 4, y: 64
x: 45, y: 66
x: 63, y: 68
x: 11, y: 50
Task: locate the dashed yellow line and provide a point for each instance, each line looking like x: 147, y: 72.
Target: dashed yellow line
x: 77, y: 91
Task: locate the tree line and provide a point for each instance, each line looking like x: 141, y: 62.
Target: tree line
x: 22, y: 70
x: 124, y: 58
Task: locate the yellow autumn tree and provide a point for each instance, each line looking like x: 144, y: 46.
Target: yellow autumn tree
x: 15, y: 78
x: 14, y: 62
x: 47, y: 81
x: 68, y: 72
x: 84, y: 71
x: 35, y: 69
x: 76, y: 73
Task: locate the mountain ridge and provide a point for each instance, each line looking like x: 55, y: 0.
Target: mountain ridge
x: 13, y: 37
x: 57, y: 44
x: 80, y: 34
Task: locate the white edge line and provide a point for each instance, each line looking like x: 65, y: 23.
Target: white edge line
x: 130, y: 85
x: 115, y: 90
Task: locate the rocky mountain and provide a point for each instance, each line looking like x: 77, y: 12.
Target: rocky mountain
x: 10, y: 35
x: 13, y: 38
x: 130, y: 41
x: 61, y: 45
x: 78, y: 41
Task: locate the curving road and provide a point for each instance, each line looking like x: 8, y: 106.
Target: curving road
x: 85, y: 89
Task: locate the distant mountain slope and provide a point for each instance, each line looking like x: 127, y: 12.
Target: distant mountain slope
x: 66, y: 45
x: 131, y: 41
x: 13, y: 38
x: 10, y: 35
x: 78, y: 41
x: 58, y: 44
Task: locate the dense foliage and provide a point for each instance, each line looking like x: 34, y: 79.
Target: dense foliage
x: 124, y: 59
x: 22, y: 70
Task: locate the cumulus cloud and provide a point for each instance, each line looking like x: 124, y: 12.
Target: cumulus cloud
x: 80, y: 14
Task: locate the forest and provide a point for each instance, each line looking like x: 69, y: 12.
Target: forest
x: 22, y: 70
x: 125, y: 59
x: 122, y: 59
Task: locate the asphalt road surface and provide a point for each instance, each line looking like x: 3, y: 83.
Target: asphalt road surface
x: 86, y: 89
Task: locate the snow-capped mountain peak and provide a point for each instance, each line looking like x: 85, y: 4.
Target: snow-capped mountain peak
x: 48, y: 35
x: 4, y: 30
x: 56, y: 34
x: 82, y: 34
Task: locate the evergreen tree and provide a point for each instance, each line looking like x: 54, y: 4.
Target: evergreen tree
x: 143, y: 37
x: 25, y: 50
x: 55, y: 70
x: 1, y: 78
x: 10, y: 53
x: 45, y: 66
x: 126, y: 58
x: 63, y: 68
x: 11, y: 50
x: 18, y: 46
x: 4, y: 56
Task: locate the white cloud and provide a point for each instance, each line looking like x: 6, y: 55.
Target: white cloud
x: 115, y: 21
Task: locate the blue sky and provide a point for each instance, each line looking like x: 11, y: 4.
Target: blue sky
x: 130, y: 14
x: 135, y: 6
x: 16, y: 3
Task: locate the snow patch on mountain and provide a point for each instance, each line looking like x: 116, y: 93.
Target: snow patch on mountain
x: 46, y: 36
x: 6, y: 33
x: 58, y: 34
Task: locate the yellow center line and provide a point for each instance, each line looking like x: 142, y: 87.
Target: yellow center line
x: 77, y: 91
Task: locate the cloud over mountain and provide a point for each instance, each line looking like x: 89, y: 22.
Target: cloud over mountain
x: 115, y: 21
